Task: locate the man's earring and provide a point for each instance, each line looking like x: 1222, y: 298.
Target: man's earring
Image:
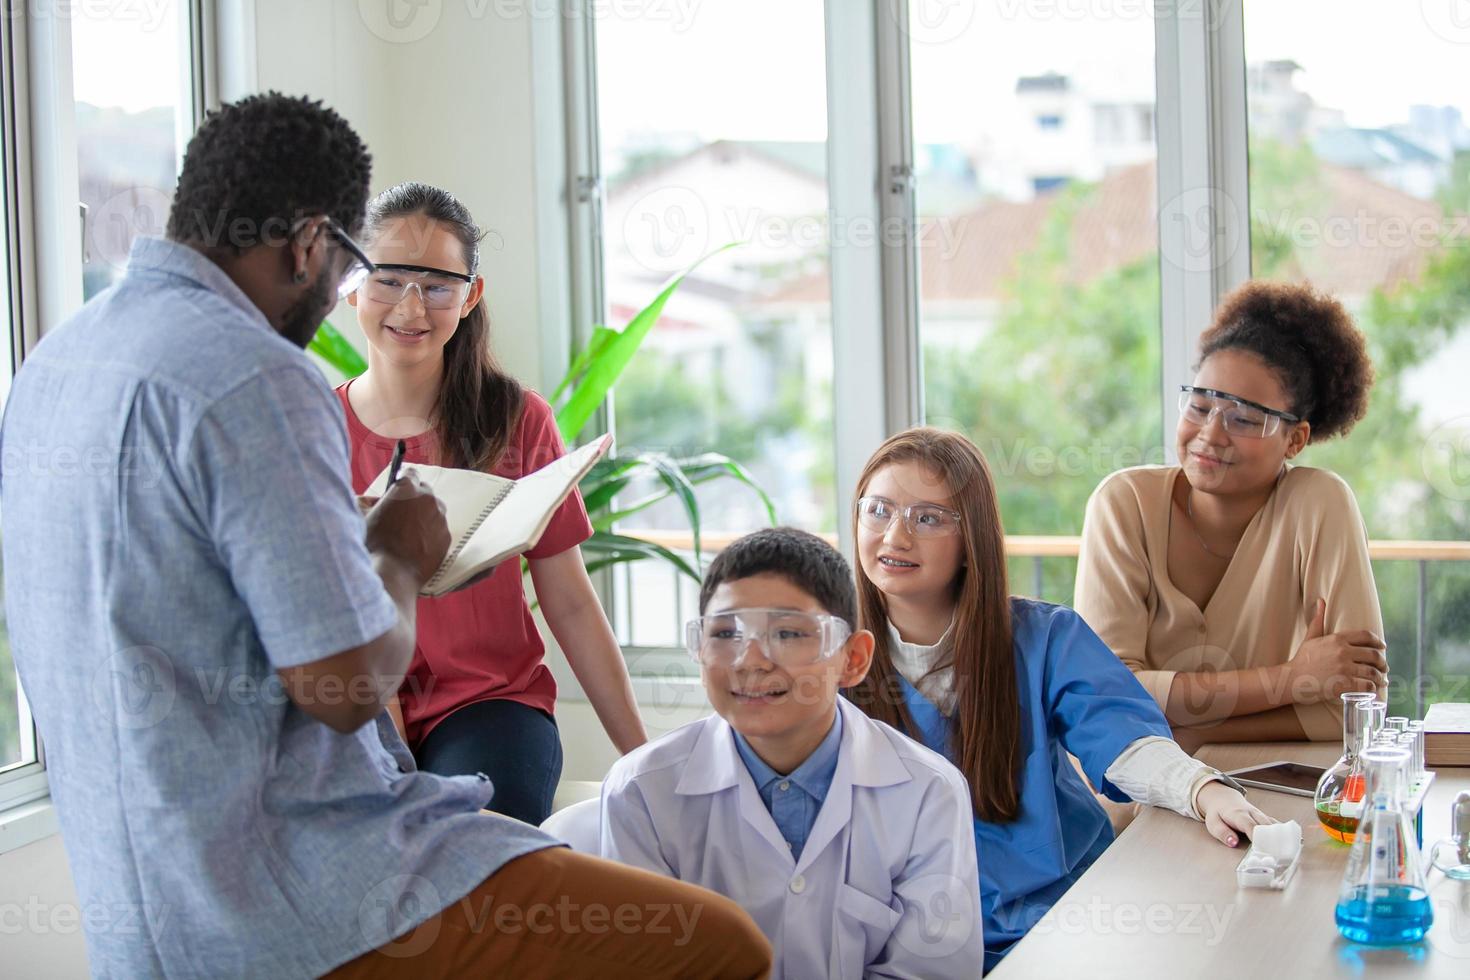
x: 300, y: 275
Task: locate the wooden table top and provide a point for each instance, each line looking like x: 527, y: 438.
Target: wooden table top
x: 1162, y: 901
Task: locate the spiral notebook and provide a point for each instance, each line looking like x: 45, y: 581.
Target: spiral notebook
x: 491, y: 518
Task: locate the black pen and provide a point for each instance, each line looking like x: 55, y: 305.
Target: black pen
x: 398, y: 452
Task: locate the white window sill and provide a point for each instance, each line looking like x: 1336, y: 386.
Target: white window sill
x: 648, y: 689
x: 27, y: 823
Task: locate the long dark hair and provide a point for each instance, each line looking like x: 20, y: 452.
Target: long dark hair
x: 986, y: 743
x: 478, y: 404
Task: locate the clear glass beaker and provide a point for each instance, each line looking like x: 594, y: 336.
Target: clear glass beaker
x: 1383, y: 900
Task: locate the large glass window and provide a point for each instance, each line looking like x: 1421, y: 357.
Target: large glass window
x: 130, y: 77
x: 1038, y: 257
x: 1360, y: 184
x: 702, y: 146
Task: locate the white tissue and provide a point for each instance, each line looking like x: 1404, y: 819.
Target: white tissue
x: 1281, y: 841
x: 1273, y: 858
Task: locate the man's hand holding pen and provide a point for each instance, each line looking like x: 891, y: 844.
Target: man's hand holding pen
x: 407, y: 522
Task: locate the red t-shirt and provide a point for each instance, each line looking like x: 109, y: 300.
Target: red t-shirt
x: 480, y: 643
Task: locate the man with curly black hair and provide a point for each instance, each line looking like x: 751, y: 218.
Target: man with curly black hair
x: 1237, y: 585
x: 207, y: 630
x: 271, y: 191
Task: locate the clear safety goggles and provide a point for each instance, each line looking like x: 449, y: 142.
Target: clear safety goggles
x: 1240, y: 417
x: 922, y: 520
x: 787, y: 638
x: 438, y: 289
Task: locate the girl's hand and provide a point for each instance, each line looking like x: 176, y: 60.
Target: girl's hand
x: 1227, y: 815
x: 1327, y: 665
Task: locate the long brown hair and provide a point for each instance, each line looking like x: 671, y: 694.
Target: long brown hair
x: 986, y: 729
x: 479, y: 405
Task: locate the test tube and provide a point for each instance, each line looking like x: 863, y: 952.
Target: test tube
x: 1396, y: 724
x: 1414, y: 741
x: 1376, y: 711
x: 1414, y: 772
x: 1363, y: 715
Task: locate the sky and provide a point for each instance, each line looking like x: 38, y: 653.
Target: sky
x: 128, y: 53
x: 742, y: 78
x: 755, y: 69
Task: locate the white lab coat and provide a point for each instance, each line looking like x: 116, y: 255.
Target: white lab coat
x: 886, y: 885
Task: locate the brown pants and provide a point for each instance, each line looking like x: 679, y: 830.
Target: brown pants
x: 555, y: 913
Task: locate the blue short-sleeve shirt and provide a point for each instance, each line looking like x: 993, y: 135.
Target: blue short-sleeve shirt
x: 178, y: 523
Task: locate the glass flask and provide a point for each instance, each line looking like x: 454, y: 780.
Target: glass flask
x: 1383, y: 900
x: 1452, y: 855
x: 1339, y: 796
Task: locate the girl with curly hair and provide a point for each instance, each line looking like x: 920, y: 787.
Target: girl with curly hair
x: 1236, y: 585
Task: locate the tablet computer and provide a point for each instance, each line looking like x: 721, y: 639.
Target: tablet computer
x: 1282, y: 777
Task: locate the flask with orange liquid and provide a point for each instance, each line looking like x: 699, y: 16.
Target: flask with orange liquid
x: 1339, y: 797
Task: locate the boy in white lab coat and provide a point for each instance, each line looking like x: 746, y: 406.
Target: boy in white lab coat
x: 851, y: 846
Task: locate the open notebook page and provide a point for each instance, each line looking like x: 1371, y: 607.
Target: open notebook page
x: 492, y: 519
x: 465, y: 493
x: 523, y: 516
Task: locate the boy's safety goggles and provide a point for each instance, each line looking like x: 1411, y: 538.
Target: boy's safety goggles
x: 787, y: 638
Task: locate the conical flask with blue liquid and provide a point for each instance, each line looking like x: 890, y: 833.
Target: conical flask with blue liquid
x: 1383, y: 900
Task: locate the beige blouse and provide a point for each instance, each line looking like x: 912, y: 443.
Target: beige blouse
x: 1307, y: 542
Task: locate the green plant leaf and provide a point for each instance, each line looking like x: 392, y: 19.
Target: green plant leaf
x: 598, y: 372
x: 710, y: 466
x: 678, y: 484
x: 612, y: 549
x: 601, y: 337
x: 607, y: 479
x: 638, y: 505
x: 336, y: 350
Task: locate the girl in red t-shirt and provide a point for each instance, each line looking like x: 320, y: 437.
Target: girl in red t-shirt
x: 478, y: 697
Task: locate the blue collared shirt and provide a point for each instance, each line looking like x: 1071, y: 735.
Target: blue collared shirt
x: 795, y: 800
x: 179, y: 525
